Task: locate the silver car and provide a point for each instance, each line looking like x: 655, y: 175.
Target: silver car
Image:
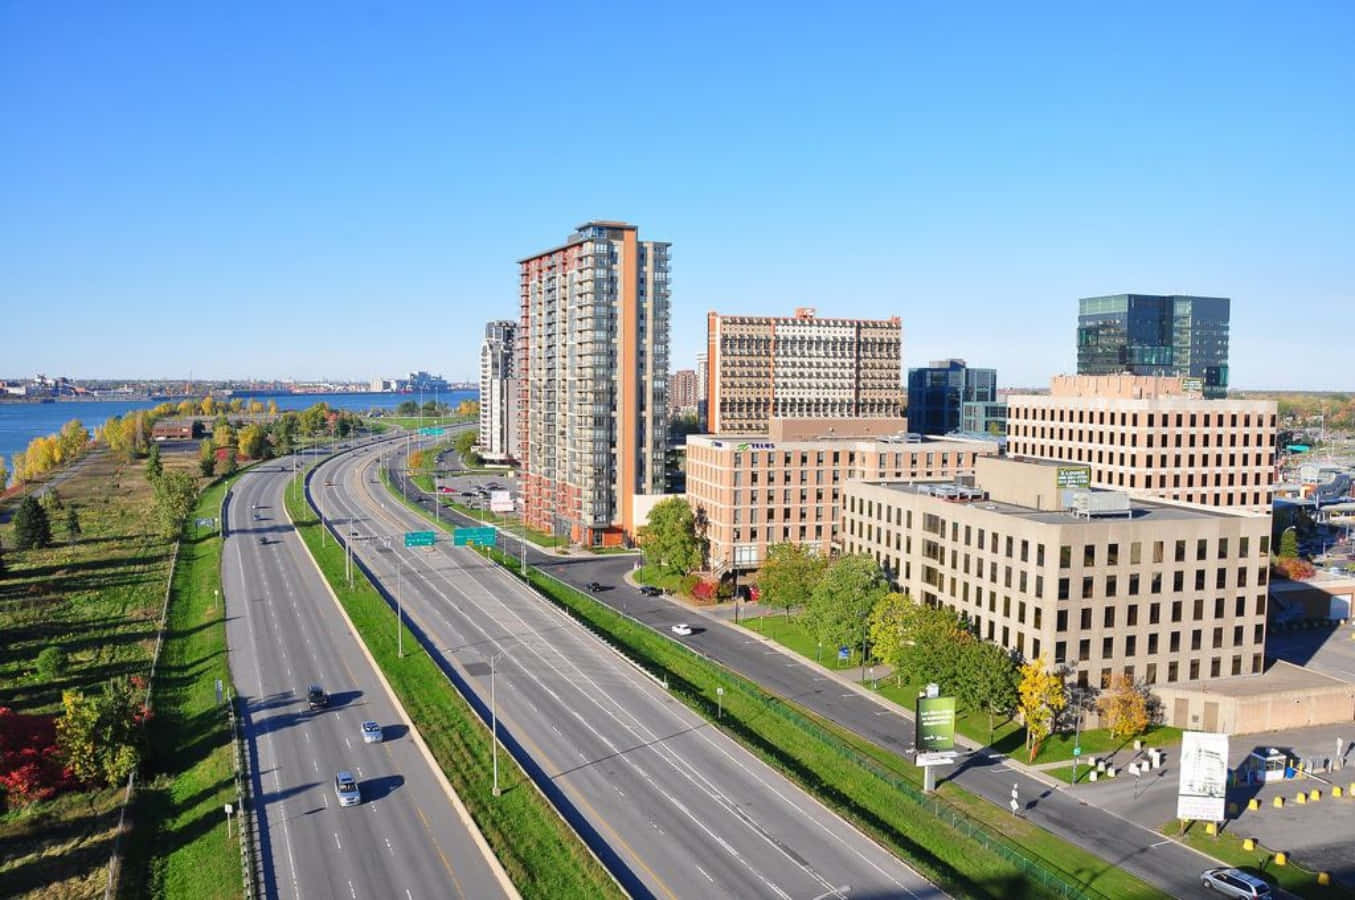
x: 346, y: 788
x: 371, y: 732
x: 1235, y: 883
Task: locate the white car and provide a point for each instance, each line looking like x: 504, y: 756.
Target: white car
x: 682, y: 629
x: 346, y: 788
x: 371, y: 733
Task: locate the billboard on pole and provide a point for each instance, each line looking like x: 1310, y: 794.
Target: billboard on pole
x: 935, y: 723
x: 1204, y: 776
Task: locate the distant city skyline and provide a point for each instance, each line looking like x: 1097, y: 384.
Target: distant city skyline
x: 268, y: 193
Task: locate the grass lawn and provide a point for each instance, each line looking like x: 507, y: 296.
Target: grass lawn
x: 418, y: 422
x: 541, y: 854
x: 99, y: 598
x: 846, y: 774
x: 1259, y: 862
x: 509, y: 524
x: 1098, y: 742
x: 177, y: 849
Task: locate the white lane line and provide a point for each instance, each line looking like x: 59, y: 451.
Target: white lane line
x: 389, y: 847
x: 336, y: 840
x: 707, y: 874
x: 316, y: 766
x: 352, y: 893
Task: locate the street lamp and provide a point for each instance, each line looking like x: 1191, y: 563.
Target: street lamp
x: 494, y: 718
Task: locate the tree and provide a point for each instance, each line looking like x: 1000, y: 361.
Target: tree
x: 1042, y: 696
x: 154, y: 468
x: 1289, y: 543
x: 843, y: 599
x: 272, y: 407
x: 987, y: 680
x: 669, y: 537
x: 100, y: 735
x: 407, y: 408
x: 51, y: 662
x: 2, y: 561
x: 251, y: 441
x: 207, y: 458
x: 920, y: 642
x: 789, y: 575
x: 1124, y: 707
x: 51, y: 501
x: 31, y: 526
x: 77, y: 734
x: 4, y: 477
x: 464, y: 442
x: 72, y: 524
x: 227, y: 465
x: 174, y: 496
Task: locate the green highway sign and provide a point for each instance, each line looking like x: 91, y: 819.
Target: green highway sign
x: 431, y: 432
x: 419, y: 538
x: 463, y: 537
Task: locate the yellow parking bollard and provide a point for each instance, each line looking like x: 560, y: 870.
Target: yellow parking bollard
x: 1279, y: 801
x: 1324, y: 878
x: 1336, y: 791
x: 1301, y: 798
x: 1314, y: 795
x: 1210, y: 828
x: 1249, y: 844
x: 1254, y: 803
x: 1281, y: 858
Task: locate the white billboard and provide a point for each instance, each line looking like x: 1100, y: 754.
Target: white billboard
x: 500, y: 502
x: 1204, y: 776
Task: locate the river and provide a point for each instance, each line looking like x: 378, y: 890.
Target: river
x: 21, y: 422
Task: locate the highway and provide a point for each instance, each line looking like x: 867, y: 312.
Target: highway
x: 284, y: 632
x: 1119, y: 843
x: 674, y: 807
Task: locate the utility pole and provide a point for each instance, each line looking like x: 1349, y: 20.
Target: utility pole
x: 494, y: 718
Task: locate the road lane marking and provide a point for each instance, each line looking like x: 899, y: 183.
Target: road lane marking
x: 336, y: 840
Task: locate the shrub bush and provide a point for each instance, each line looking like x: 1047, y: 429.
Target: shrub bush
x: 51, y: 662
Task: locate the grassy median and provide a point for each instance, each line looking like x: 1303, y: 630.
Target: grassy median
x: 542, y: 855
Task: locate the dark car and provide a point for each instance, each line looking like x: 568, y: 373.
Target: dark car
x: 650, y: 590
x: 316, y: 698
x: 593, y: 586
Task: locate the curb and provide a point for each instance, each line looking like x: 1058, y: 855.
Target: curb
x: 495, y: 866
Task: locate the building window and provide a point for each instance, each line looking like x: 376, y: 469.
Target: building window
x: 1112, y: 586
x: 1154, y: 613
x: 1174, y: 645
x: 1152, y: 643
x: 1063, y: 588
x: 1196, y: 639
x: 1088, y: 556
x: 1084, y: 650
x: 1086, y: 619
x: 1065, y: 555
x: 1112, y: 554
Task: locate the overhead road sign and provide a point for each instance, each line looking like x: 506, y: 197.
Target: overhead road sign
x: 485, y: 537
x: 420, y: 538
x: 432, y: 432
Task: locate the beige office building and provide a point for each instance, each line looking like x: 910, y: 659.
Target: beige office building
x: 753, y: 493
x: 801, y: 366
x: 1153, y: 436
x: 1098, y: 582
x: 592, y: 365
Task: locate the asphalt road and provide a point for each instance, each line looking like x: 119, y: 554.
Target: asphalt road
x: 284, y: 633
x: 1118, y: 842
x: 673, y: 806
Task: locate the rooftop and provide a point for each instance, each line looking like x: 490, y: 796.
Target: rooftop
x: 1139, y: 510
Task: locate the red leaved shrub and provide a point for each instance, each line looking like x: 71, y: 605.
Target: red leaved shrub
x: 30, y: 764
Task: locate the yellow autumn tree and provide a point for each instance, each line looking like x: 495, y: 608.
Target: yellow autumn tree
x: 1124, y: 707
x: 272, y: 407
x: 1042, y: 697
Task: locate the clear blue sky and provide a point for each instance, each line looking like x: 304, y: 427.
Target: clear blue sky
x: 335, y: 190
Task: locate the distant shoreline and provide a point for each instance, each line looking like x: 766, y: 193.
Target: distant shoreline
x: 166, y: 398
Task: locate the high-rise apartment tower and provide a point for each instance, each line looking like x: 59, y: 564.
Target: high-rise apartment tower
x: 592, y: 367
x: 498, y: 391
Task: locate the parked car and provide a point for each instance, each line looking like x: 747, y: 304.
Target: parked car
x: 682, y: 629
x: 593, y: 586
x: 316, y: 698
x: 1235, y: 883
x: 650, y: 590
x: 371, y: 732
x: 346, y: 789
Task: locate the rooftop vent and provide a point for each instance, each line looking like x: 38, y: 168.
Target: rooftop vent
x: 1095, y: 504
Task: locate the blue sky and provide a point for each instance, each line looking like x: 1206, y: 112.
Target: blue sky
x: 340, y: 190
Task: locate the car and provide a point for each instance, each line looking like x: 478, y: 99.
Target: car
x: 263, y: 540
x: 681, y: 629
x: 593, y: 586
x: 650, y: 590
x: 316, y: 698
x: 1234, y: 883
x: 371, y: 732
x: 346, y: 788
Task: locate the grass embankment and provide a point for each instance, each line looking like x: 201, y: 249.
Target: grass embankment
x: 415, y: 422
x: 963, y: 858
x: 179, y: 847
x: 1007, y: 736
x: 541, y: 854
x: 98, y: 597
x: 1259, y: 862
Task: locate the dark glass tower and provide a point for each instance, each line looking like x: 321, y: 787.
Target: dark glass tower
x: 1146, y: 334
x: 937, y: 393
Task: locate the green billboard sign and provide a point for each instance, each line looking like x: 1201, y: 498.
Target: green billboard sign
x: 935, y: 724
x: 419, y: 538
x: 485, y: 537
x: 432, y: 432
x: 1074, y: 477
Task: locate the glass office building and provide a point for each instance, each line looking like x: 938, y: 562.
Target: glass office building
x: 1154, y: 335
x: 936, y: 394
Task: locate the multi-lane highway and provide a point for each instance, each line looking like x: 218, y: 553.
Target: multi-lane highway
x: 675, y: 808
x: 285, y: 632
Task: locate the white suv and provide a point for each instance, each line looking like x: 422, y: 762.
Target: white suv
x: 1235, y: 883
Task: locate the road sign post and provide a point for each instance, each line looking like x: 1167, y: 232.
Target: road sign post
x: 420, y: 538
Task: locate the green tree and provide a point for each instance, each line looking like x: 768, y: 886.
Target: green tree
x: 207, y: 458
x: 52, y: 502
x: 228, y: 464
x: 154, y: 467
x: 1289, y: 543
x: 464, y: 442
x: 987, y: 679
x: 1042, y: 695
x: 789, y: 576
x: 919, y: 641
x: 2, y: 560
x: 73, y: 529
x: 251, y: 441
x: 174, y: 496
x: 841, y: 602
x: 51, y: 662
x: 407, y: 408
x: 77, y: 735
x: 32, y: 529
x: 669, y: 537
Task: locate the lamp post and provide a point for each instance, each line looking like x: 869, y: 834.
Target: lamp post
x: 494, y: 718
x: 1077, y: 728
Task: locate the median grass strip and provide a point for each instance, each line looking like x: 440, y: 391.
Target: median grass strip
x: 952, y: 849
x: 541, y: 854
x: 179, y: 846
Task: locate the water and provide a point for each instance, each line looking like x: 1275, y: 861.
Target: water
x: 21, y: 422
